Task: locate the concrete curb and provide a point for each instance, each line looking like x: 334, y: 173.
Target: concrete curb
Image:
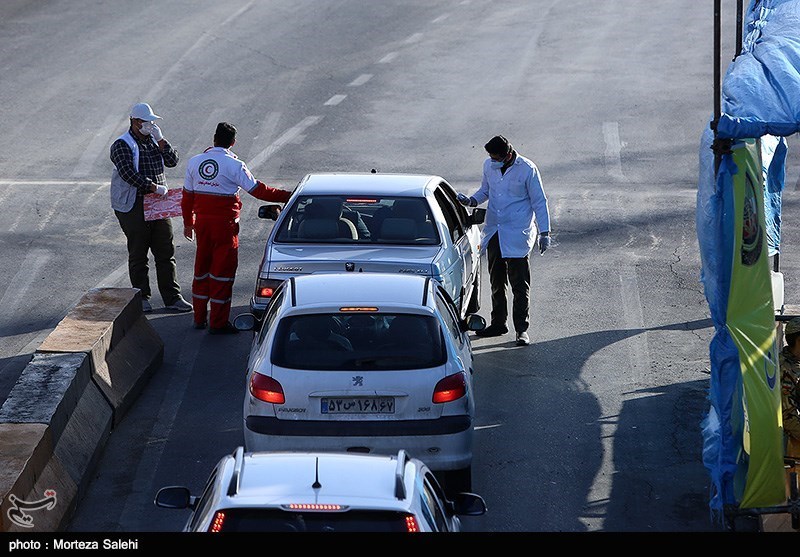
x: 108, y: 324
x: 58, y: 416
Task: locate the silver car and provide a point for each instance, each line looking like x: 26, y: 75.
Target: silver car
x: 390, y: 223
x: 363, y: 362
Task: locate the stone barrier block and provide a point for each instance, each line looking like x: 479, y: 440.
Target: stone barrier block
x: 58, y: 416
x: 27, y: 448
x: 125, y: 350
x: 53, y: 426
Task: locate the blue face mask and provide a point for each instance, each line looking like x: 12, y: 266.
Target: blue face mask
x: 496, y: 164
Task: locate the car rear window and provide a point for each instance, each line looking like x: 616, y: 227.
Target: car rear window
x: 278, y: 520
x: 341, y: 219
x: 359, y: 342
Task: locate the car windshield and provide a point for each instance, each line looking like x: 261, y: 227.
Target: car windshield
x: 277, y: 520
x: 342, y: 219
x: 358, y: 342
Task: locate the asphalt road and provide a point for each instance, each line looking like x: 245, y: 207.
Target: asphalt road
x: 596, y: 425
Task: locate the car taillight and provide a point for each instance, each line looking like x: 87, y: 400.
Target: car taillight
x: 266, y: 389
x: 216, y: 524
x: 450, y: 388
x: 411, y: 523
x: 265, y: 288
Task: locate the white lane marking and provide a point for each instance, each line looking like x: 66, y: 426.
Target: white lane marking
x: 634, y: 319
x: 288, y: 136
x: 491, y: 426
x: 415, y: 38
x: 114, y: 277
x: 53, y: 182
x: 440, y: 18
x: 613, y: 149
x: 24, y: 277
x: 97, y: 146
x: 13, y: 227
x: 360, y: 80
x: 45, y: 220
x: 388, y: 58
x: 265, y: 133
x: 334, y: 100
x: 97, y: 190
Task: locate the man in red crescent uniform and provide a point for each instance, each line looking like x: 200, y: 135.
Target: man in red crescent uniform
x: 211, y: 207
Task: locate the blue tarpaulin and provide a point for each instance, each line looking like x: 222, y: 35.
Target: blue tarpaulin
x: 760, y: 100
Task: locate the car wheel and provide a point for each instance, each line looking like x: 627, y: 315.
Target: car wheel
x: 475, y: 299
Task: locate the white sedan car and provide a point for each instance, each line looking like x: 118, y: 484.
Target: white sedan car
x: 366, y: 363
x: 321, y: 492
x: 391, y: 223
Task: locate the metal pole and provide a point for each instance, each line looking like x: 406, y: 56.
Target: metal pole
x: 739, y: 18
x: 717, y: 93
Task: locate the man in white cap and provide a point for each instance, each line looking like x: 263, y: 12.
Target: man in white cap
x: 139, y: 156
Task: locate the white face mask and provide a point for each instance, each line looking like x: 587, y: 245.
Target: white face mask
x: 146, y: 129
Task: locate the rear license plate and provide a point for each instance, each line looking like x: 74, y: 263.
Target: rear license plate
x: 362, y: 405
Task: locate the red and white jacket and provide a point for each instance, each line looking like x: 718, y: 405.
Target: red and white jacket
x: 211, y: 187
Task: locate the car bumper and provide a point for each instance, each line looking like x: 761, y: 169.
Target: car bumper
x: 443, y: 444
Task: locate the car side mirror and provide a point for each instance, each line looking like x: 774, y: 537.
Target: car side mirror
x: 174, y: 497
x: 478, y: 216
x: 245, y: 322
x: 468, y: 504
x: 269, y: 212
x: 474, y: 322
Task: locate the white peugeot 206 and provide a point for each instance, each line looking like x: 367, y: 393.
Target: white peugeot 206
x: 365, y: 222
x: 363, y: 363
x: 321, y: 492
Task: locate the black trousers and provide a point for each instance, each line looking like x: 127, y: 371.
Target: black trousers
x: 515, y: 271
x: 150, y: 236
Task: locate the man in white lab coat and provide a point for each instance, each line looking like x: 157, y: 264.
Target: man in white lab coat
x: 517, y: 218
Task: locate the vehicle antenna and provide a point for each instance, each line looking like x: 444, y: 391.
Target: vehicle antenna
x: 316, y: 484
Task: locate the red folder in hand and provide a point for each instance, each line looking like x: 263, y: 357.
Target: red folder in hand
x: 157, y: 207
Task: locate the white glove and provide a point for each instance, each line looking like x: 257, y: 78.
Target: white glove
x: 161, y: 190
x: 544, y: 243
x: 155, y: 132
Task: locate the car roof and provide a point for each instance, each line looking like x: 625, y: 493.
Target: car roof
x: 366, y: 183
x: 389, y: 289
x: 282, y: 478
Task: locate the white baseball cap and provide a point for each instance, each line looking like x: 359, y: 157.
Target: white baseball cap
x: 142, y: 111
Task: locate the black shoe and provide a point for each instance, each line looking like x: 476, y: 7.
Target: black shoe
x: 492, y: 331
x: 180, y: 305
x: 228, y: 329
x: 202, y: 325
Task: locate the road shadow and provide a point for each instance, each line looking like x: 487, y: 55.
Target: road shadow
x: 549, y: 454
